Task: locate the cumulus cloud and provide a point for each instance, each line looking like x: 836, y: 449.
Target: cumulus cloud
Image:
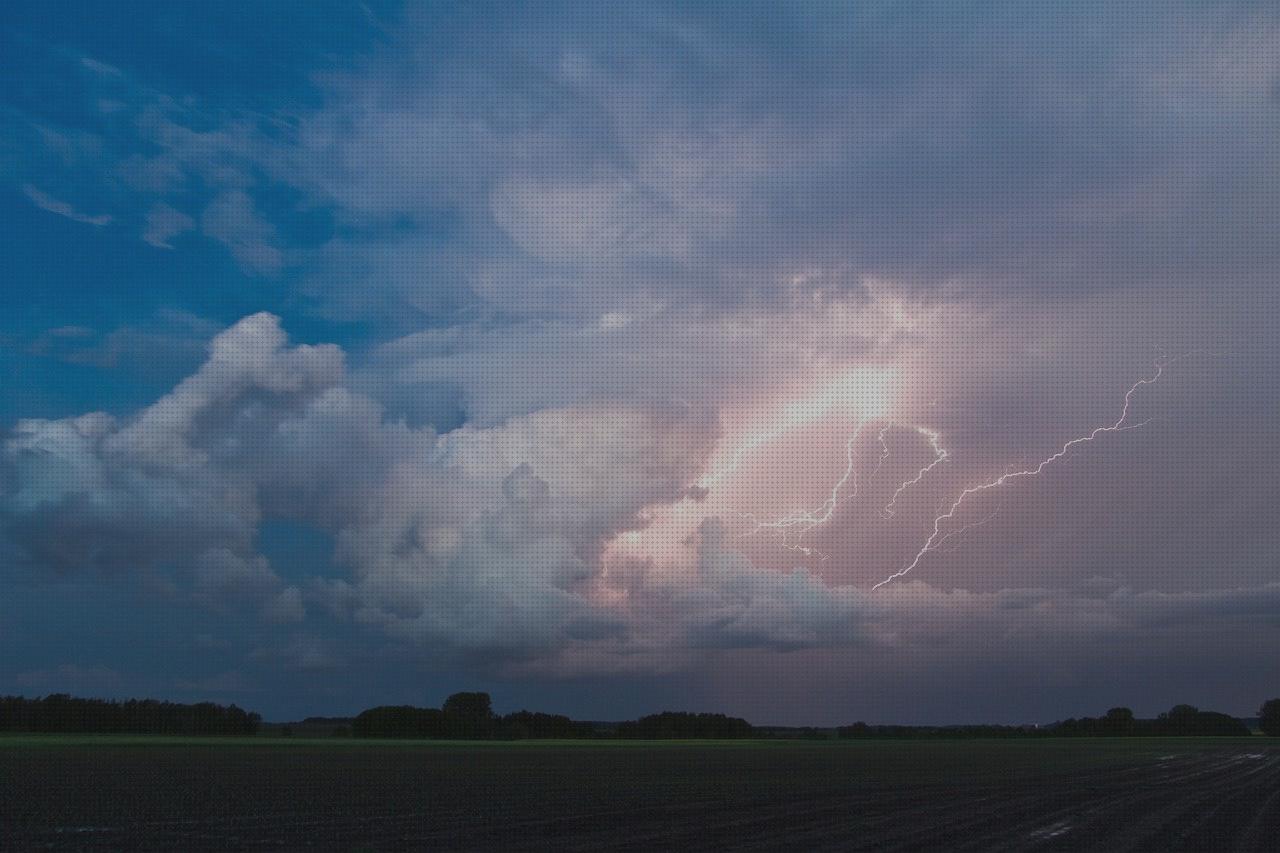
x: 166, y: 485
x: 479, y: 538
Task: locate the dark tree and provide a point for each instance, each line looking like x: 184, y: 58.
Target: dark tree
x: 1188, y: 721
x: 400, y: 721
x: 1270, y: 718
x: 1179, y: 720
x: 1214, y: 724
x: 1118, y: 722
x: 469, y: 715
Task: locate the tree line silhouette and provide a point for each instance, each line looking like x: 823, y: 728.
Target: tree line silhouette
x: 1180, y: 721
x: 464, y: 716
x: 62, y: 713
x: 470, y: 716
x: 674, y: 725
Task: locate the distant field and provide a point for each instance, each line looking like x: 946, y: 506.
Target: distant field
x: 104, y: 792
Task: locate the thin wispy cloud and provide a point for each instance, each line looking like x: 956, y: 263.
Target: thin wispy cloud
x: 163, y: 224
x: 46, y: 202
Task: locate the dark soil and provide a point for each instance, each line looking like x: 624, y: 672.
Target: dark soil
x: 809, y: 796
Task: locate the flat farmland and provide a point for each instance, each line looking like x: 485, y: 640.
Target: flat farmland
x: 78, y: 793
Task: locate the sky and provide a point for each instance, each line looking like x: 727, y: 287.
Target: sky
x: 893, y: 361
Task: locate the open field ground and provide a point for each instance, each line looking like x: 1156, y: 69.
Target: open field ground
x: 108, y: 792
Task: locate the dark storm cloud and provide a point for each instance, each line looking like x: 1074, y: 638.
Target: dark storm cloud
x: 519, y: 161
x: 584, y: 235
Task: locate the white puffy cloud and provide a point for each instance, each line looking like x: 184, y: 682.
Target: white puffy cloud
x: 175, y: 480
x: 482, y: 538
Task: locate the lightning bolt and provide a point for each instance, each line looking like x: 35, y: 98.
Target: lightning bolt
x: 963, y: 530
x: 884, y: 448
x: 799, y: 523
x: 1120, y: 424
x: 793, y: 526
x: 802, y: 522
x: 940, y: 455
